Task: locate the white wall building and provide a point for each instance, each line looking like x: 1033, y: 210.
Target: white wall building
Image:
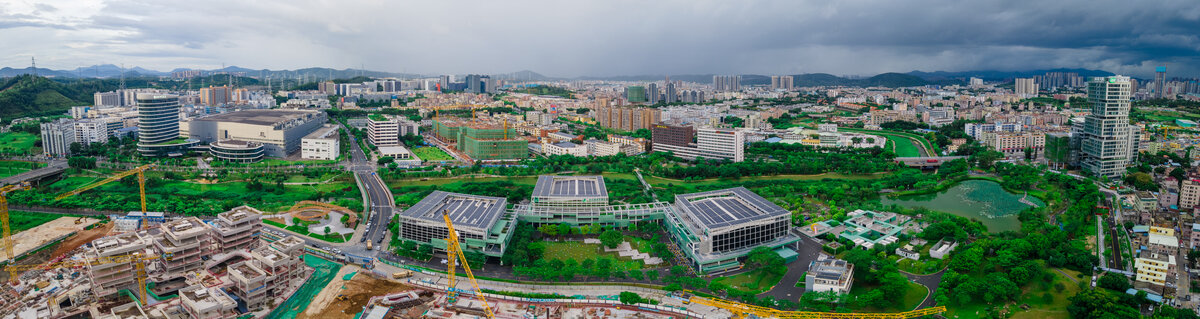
x: 322, y: 144
x: 564, y: 148
x: 387, y: 130
x: 602, y: 148
x: 57, y: 137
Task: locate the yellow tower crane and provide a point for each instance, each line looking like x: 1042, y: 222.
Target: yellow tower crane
x: 138, y: 261
x: 741, y: 311
x: 141, y: 176
x: 454, y: 254
x: 4, y: 190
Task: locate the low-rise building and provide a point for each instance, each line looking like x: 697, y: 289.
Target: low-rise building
x: 564, y: 148
x: 941, y: 248
x: 480, y: 221
x: 108, y: 278
x: 602, y: 148
x: 182, y: 243
x: 1155, y: 268
x: 396, y: 152
x: 908, y: 252
x: 322, y: 144
x: 829, y: 274
x: 867, y: 229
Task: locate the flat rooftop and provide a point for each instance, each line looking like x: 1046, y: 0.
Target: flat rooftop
x: 258, y: 117
x: 464, y: 210
x: 570, y: 186
x: 727, y: 207
x: 327, y: 132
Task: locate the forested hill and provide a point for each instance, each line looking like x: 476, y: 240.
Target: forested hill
x: 29, y: 95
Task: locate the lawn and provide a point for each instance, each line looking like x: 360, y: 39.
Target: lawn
x: 902, y: 150
x: 580, y: 251
x: 912, y: 297
x: 17, y: 143
x: 10, y: 168
x: 20, y: 221
x: 754, y: 281
x: 924, y: 266
x: 432, y: 154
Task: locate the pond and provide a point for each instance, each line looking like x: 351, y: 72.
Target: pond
x: 982, y: 200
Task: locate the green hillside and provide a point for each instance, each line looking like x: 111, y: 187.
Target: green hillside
x: 28, y: 95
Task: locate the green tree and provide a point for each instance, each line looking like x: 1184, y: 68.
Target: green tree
x: 630, y: 298
x: 1114, y: 281
x: 764, y: 258
x: 564, y: 229
x: 611, y: 238
x: 1092, y: 303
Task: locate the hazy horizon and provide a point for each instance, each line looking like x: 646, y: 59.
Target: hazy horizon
x: 607, y: 38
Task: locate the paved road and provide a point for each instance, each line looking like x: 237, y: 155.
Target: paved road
x: 55, y: 167
x: 809, y: 250
x: 381, y: 203
x: 930, y: 282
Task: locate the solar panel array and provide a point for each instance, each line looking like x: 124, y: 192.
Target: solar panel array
x: 728, y: 206
x: 570, y: 186
x: 464, y: 210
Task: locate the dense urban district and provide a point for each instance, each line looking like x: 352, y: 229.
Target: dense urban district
x: 226, y: 194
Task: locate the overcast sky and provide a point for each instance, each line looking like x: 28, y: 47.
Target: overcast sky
x: 574, y: 37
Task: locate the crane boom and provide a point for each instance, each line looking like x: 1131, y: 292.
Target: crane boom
x: 454, y: 254
x: 8, y: 241
x: 140, y: 171
x: 741, y: 310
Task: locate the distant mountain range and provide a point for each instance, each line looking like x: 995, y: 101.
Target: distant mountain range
x: 914, y: 78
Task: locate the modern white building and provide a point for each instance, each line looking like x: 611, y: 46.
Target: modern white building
x: 602, y: 148
x: 386, y: 130
x: 564, y: 148
x: 396, y: 152
x: 279, y: 131
x: 829, y: 274
x: 322, y: 144
x: 102, y: 99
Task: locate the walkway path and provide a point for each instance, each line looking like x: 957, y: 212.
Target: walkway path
x: 1073, y: 280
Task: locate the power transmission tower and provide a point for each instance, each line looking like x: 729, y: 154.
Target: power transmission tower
x: 33, y: 62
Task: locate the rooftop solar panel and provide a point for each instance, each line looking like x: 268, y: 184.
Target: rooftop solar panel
x: 464, y: 210
x: 570, y: 186
x: 725, y: 207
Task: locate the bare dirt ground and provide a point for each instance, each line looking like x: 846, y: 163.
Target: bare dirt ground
x: 82, y: 237
x: 36, y: 237
x: 59, y: 249
x: 358, y: 291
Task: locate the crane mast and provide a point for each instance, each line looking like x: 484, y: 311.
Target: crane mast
x: 454, y: 254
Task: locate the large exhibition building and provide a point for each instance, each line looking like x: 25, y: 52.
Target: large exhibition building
x: 277, y: 132
x: 713, y: 230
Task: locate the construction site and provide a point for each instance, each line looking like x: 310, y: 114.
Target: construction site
x: 482, y: 140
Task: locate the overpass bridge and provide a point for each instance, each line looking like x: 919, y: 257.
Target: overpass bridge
x: 926, y: 161
x: 53, y: 169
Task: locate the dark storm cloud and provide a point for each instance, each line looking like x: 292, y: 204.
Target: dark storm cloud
x: 571, y: 38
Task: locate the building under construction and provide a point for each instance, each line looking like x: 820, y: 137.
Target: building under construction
x: 192, y: 268
x: 482, y: 140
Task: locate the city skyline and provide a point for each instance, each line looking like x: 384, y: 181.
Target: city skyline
x: 605, y: 39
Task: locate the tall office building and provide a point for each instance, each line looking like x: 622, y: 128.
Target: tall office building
x: 1108, y: 140
x: 976, y: 82
x: 635, y: 94
x: 1026, y: 87
x: 1160, y: 80
x: 652, y: 94
x: 727, y: 83
x: 670, y: 92
x: 158, y: 125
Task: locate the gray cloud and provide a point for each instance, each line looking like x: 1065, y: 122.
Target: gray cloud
x: 571, y: 38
